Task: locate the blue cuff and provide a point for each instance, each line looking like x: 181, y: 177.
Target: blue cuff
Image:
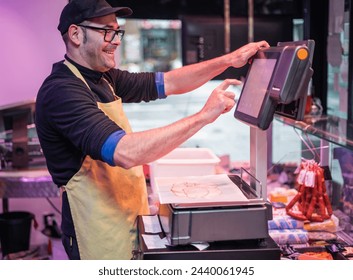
x: 160, y: 85
x: 109, y: 146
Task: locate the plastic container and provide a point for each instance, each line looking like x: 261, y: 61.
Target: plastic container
x: 184, y: 162
x: 15, y: 231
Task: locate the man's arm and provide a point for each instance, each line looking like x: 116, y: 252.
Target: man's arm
x: 146, y: 146
x: 192, y: 76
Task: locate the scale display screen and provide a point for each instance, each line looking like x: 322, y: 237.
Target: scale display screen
x: 256, y: 86
x: 255, y: 107
x: 277, y: 75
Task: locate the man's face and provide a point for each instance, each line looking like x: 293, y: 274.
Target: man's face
x: 98, y: 54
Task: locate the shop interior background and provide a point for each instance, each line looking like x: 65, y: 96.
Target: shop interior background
x: 154, y: 41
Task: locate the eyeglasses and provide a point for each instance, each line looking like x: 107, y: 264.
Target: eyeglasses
x: 109, y: 34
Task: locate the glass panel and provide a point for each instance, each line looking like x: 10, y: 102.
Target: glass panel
x: 333, y: 129
x: 337, y: 58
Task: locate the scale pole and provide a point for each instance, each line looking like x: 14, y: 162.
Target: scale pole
x: 258, y: 157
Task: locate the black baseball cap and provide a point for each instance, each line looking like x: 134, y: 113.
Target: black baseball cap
x: 77, y: 11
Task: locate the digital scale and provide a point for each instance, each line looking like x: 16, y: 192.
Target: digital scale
x: 277, y: 76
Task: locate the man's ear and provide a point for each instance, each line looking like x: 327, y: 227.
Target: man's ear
x: 74, y: 34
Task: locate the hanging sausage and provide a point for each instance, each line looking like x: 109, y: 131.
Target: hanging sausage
x: 311, y: 202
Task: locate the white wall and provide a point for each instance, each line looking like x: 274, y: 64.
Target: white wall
x: 30, y: 44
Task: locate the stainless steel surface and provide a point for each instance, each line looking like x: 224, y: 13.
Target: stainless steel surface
x: 214, y: 224
x: 27, y: 183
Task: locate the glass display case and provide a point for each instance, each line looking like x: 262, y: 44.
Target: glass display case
x: 333, y: 137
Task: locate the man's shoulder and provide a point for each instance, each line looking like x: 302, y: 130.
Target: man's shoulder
x: 60, y: 78
x: 60, y: 71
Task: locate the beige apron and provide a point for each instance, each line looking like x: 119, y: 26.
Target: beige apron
x: 106, y: 200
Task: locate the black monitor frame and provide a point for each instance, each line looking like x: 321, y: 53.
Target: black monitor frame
x: 268, y: 84
x: 262, y: 113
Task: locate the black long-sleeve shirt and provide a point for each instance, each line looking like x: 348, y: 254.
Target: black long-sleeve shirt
x: 69, y: 123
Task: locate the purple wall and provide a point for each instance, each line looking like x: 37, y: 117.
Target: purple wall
x: 30, y: 45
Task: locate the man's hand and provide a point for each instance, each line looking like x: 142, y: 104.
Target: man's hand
x: 241, y: 56
x: 220, y: 101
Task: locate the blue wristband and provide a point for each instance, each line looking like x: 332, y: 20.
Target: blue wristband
x: 108, y: 148
x: 160, y: 85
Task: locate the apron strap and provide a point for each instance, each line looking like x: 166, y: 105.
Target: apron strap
x: 77, y: 73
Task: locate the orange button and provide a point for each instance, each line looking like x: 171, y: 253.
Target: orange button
x: 302, y: 54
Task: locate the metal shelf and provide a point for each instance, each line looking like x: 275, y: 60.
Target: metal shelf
x: 27, y: 183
